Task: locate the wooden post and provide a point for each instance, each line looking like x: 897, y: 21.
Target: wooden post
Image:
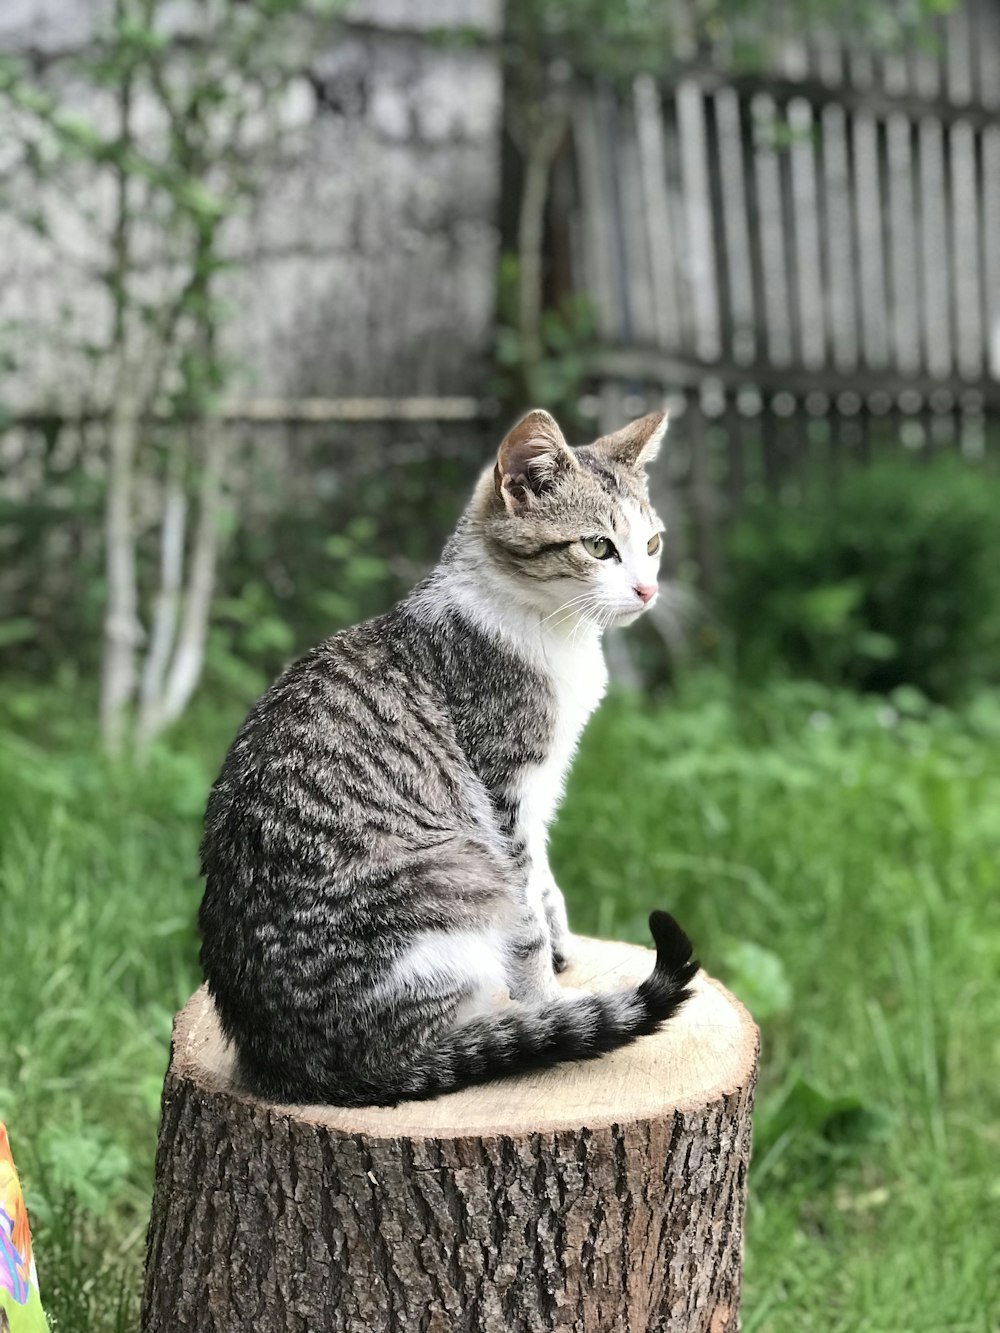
x: 604, y: 1198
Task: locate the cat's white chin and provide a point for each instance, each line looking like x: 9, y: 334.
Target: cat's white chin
x: 627, y: 617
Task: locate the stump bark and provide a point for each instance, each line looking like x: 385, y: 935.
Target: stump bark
x: 601, y: 1198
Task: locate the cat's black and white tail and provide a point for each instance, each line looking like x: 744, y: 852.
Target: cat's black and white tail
x: 579, y: 1027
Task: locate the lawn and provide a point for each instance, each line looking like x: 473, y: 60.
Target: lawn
x: 837, y: 861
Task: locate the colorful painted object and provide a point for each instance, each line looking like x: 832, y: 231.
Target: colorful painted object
x: 20, y: 1304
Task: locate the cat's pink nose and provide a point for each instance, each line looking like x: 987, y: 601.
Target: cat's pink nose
x: 646, y: 591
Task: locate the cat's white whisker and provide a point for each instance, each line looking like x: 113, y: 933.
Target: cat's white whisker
x: 573, y: 601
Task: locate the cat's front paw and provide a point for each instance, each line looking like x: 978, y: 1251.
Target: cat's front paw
x: 562, y: 952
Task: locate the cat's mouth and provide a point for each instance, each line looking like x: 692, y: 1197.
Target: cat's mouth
x: 628, y: 614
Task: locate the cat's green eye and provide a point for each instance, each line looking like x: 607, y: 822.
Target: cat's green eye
x: 653, y: 545
x: 599, y: 547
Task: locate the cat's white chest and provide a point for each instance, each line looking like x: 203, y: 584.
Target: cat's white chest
x: 578, y: 677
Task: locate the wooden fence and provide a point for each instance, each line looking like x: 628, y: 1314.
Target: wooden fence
x: 807, y: 260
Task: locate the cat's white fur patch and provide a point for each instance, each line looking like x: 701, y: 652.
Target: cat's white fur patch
x: 618, y: 580
x: 471, y: 961
x: 571, y: 658
x: 567, y: 651
x: 579, y: 677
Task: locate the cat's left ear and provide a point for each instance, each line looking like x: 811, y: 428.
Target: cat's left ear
x: 532, y: 456
x: 636, y: 444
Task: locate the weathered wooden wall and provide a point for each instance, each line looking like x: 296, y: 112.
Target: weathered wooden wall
x: 369, y: 267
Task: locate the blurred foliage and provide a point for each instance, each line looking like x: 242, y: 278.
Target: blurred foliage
x: 298, y: 572
x: 891, y: 578
x: 303, y: 561
x: 559, y: 373
x: 611, y: 39
x: 91, y: 1284
x: 331, y: 581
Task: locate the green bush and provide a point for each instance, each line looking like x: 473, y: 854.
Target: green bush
x: 892, y: 578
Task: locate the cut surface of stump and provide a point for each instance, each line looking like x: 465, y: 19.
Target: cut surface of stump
x: 600, y: 1197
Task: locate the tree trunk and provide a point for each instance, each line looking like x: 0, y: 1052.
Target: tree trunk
x: 604, y: 1198
x: 168, y: 597
x: 189, y: 652
x: 540, y: 152
x: 122, y: 630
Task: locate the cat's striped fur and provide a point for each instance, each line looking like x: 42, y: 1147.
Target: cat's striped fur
x: 379, y: 919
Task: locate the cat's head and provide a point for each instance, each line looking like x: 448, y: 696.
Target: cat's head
x: 572, y: 530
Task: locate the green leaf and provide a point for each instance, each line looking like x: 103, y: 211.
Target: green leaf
x: 909, y: 700
x: 758, y: 977
x: 878, y: 647
x: 200, y: 200
x: 838, y: 1119
x: 87, y: 1164
x: 269, y: 634
x: 830, y: 606
x: 17, y: 630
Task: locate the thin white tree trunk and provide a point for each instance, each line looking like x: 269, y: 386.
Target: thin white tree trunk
x: 189, y: 655
x: 168, y: 599
x: 122, y: 630
x: 540, y: 153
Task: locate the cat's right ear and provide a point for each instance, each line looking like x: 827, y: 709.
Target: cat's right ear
x: 531, y: 457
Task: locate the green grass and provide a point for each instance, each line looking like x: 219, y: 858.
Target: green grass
x: 836, y: 860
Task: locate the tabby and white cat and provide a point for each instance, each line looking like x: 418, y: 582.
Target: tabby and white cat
x: 377, y: 882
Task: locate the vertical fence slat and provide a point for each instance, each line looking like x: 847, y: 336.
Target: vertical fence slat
x: 638, y: 265
x: 991, y: 244
x: 806, y: 234
x: 661, y: 241
x: 733, y: 184
x: 934, y: 247
x: 610, y: 138
x: 598, y: 226
x: 903, y: 253
x: 871, y: 264
x: 840, y: 267
x: 964, y: 252
x: 751, y: 215
x: 772, y: 230
x: 701, y: 260
x: 718, y: 228
x: 788, y: 223
x: 678, y: 213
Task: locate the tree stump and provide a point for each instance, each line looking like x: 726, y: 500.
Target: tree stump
x: 604, y: 1197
